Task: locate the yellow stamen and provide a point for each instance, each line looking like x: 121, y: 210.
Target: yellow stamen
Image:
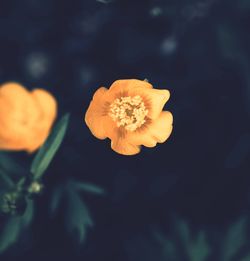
x: 129, y: 112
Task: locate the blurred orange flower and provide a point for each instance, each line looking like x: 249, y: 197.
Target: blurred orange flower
x: 130, y: 114
x: 25, y: 117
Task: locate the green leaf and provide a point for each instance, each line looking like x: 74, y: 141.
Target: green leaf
x: 169, y: 250
x: 55, y: 199
x: 10, y: 233
x: 27, y: 218
x: 183, y: 231
x: 13, y: 228
x: 104, y: 1
x: 168, y: 246
x: 88, y: 187
x: 49, y: 149
x: 234, y: 240
x: 78, y: 216
x: 199, y: 249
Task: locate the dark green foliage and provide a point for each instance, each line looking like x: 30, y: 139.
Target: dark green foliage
x: 13, y: 203
x: 88, y: 187
x: 15, y: 197
x: 234, y: 240
x: 55, y: 200
x: 49, y: 149
x: 77, y: 216
x: 184, y: 244
x: 15, y: 226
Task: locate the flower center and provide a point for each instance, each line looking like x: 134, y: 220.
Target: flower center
x: 129, y: 112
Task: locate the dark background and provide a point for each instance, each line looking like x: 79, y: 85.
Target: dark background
x: 199, y: 50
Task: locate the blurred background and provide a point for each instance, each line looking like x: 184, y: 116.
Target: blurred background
x: 186, y: 199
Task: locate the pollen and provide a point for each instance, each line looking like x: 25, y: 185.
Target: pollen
x: 128, y: 112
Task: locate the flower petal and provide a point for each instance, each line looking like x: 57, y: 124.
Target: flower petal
x: 125, y: 86
x: 99, y: 93
x: 12, y: 144
x: 20, y: 107
x: 47, y: 107
x: 157, y: 131
x: 47, y: 103
x: 122, y: 146
x: 18, y: 112
x: 13, y: 90
x: 155, y: 100
x: 100, y: 124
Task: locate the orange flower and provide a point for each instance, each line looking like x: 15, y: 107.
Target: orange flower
x: 25, y: 117
x: 130, y: 114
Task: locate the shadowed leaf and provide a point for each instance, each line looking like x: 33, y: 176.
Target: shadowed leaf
x: 78, y: 217
x: 195, y: 248
x: 104, y: 1
x: 55, y: 200
x: 10, y: 233
x: 49, y: 149
x: 234, y: 240
x: 199, y: 249
x: 27, y: 218
x: 88, y: 187
x: 168, y: 246
x: 14, y: 226
x: 183, y: 231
